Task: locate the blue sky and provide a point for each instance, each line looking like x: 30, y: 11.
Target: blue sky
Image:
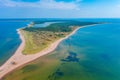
x: 59, y: 8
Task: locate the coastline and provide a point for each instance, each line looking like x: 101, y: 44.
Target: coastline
x: 21, y: 59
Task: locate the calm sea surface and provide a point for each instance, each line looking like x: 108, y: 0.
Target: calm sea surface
x: 9, y: 39
x: 96, y: 50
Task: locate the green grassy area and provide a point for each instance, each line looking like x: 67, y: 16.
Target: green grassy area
x: 38, y: 39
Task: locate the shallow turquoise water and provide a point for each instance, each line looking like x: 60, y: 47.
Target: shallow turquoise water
x: 98, y: 50
x: 9, y: 39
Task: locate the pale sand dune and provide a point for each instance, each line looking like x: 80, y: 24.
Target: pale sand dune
x: 21, y: 59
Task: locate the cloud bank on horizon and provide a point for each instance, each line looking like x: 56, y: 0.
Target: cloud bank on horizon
x: 59, y: 8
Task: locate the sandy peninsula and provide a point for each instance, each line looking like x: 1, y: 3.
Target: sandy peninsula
x: 18, y: 59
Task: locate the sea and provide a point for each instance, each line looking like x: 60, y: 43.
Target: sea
x: 9, y: 39
x: 96, y: 51
x: 97, y: 47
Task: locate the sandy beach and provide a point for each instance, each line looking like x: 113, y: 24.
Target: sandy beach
x: 18, y: 59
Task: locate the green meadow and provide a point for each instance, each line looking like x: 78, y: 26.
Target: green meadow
x: 38, y: 39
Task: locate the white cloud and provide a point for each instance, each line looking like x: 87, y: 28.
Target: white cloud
x: 49, y: 4
x: 7, y: 3
x: 59, y: 5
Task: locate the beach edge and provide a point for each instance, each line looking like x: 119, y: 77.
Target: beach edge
x: 7, y: 67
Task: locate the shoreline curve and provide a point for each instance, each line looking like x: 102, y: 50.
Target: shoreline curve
x: 21, y: 59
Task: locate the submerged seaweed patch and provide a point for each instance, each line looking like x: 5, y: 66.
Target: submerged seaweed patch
x: 57, y: 74
x: 29, y: 68
x: 72, y: 57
